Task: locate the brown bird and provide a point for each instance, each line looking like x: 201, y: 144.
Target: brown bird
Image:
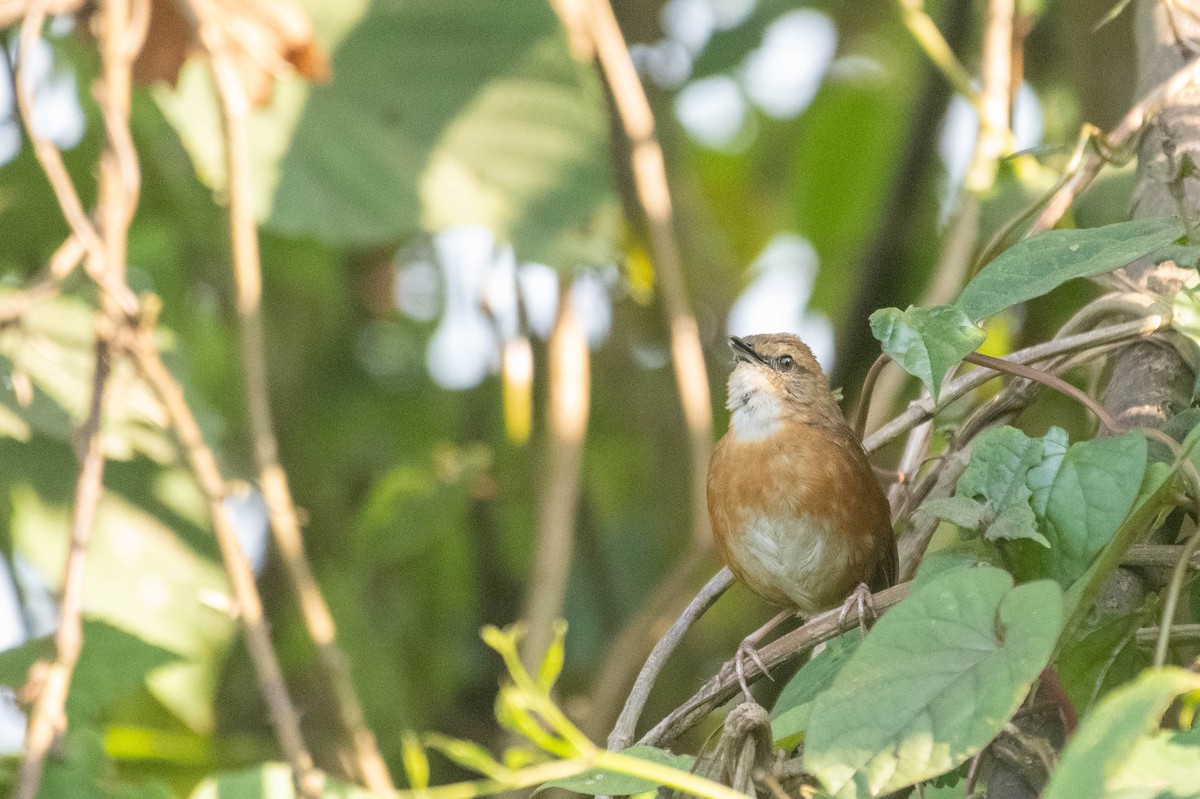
x: 796, y: 511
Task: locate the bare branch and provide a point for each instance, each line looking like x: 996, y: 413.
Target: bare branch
x: 285, y: 524
x: 722, y: 687
x: 622, y: 734
x: 204, y: 468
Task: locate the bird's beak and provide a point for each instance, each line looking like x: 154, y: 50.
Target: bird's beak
x: 743, y: 351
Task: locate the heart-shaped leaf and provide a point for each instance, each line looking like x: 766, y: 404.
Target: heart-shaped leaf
x: 926, y: 342
x: 933, y: 682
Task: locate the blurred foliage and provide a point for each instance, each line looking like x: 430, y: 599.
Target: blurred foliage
x: 419, y: 510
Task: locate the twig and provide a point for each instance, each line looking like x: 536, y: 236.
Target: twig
x: 566, y: 425
x: 1180, y: 574
x: 864, y: 396
x: 285, y: 524
x: 724, y: 685
x: 622, y: 734
x: 1179, y: 632
x: 1117, y: 139
x: 922, y: 409
x: 51, y: 161
x: 118, y: 192
x: 630, y: 646
x: 1160, y: 555
x: 994, y: 138
x: 1048, y: 380
x: 925, y: 31
x: 47, y: 719
x: 241, y: 577
x: 650, y: 179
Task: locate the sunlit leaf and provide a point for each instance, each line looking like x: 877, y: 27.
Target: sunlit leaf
x: 933, y: 682
x: 926, y: 342
x: 1037, y: 265
x: 789, y: 717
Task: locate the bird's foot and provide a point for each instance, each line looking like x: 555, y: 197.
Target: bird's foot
x: 748, y: 650
x: 860, y: 599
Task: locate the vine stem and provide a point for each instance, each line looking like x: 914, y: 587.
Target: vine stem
x: 1050, y: 381
x: 923, y: 409
x: 281, y: 508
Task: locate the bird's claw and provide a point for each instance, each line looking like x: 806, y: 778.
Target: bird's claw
x: 747, y: 649
x: 861, y: 600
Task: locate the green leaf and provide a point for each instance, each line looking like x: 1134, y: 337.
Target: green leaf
x: 964, y: 512
x: 993, y: 495
x: 933, y: 682
x: 1037, y: 265
x: 926, y: 342
x: 599, y: 782
x: 1107, y: 742
x: 510, y: 133
x: 789, y: 717
x: 1094, y: 663
x: 1084, y: 503
x: 112, y: 664
x: 467, y: 754
x: 966, y: 555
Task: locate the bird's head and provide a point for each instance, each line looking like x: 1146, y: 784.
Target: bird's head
x: 776, y: 375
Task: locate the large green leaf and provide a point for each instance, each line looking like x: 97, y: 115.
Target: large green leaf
x: 933, y: 683
x: 1093, y: 663
x: 598, y: 782
x: 789, y: 717
x: 1037, y: 265
x: 1112, y: 748
x: 440, y: 113
x: 111, y: 665
x: 926, y: 342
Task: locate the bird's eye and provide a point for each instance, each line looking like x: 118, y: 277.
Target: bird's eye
x: 786, y: 363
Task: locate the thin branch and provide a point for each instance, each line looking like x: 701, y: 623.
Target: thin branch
x: 1179, y: 576
x: 568, y: 406
x: 1117, y: 140
x: 285, y: 524
x: 994, y: 138
x: 650, y: 179
x: 724, y: 685
x: 1179, y: 632
x: 204, y: 468
x: 623, y: 732
x: 62, y: 263
x: 1158, y: 555
x: 864, y: 396
x: 1048, y: 380
x: 47, y: 719
x: 920, y: 410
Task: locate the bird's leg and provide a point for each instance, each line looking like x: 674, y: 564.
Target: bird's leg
x: 748, y: 648
x: 861, y: 600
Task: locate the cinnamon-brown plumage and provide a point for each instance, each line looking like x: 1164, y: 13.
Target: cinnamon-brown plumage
x: 796, y: 511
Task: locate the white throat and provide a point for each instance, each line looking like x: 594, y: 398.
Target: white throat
x: 755, y: 413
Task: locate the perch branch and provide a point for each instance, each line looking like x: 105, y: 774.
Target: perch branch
x: 285, y: 524
x: 724, y: 685
x: 622, y: 734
